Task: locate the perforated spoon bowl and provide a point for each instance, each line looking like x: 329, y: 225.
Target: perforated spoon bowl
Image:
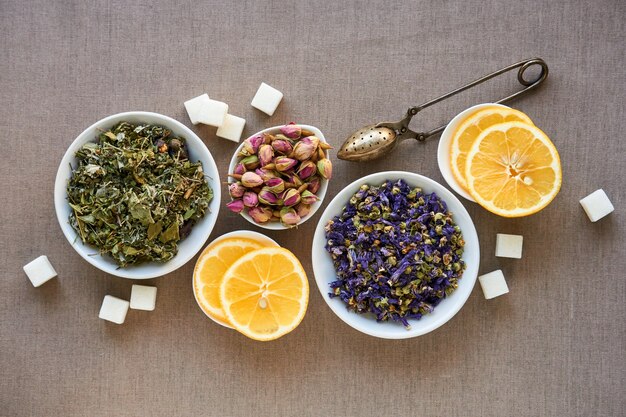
x: 373, y: 141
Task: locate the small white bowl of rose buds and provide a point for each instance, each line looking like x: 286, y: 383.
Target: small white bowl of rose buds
x: 278, y: 177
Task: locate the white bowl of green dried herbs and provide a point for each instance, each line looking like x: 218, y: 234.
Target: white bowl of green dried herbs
x: 137, y: 194
x: 395, y: 255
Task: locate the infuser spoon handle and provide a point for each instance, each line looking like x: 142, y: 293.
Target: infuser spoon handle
x: 406, y: 133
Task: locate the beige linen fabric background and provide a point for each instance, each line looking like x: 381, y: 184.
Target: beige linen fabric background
x: 554, y: 346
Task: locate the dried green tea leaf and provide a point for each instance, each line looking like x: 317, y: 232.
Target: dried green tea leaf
x: 130, y: 251
x: 189, y: 213
x: 154, y: 230
x: 142, y: 213
x: 90, y: 218
x: 171, y: 233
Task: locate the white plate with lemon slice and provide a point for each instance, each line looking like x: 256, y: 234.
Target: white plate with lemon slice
x: 246, y: 281
x: 496, y: 156
x: 205, y: 289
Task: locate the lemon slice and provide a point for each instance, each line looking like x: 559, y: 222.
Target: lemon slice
x: 265, y: 293
x: 513, y: 169
x: 209, y: 271
x: 466, y: 133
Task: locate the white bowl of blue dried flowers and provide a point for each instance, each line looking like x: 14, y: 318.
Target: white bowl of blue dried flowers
x: 278, y: 177
x: 395, y: 255
x: 137, y: 194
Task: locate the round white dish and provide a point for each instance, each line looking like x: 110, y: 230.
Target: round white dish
x: 325, y: 273
x: 247, y: 234
x: 321, y: 193
x: 443, y: 151
x: 187, y: 247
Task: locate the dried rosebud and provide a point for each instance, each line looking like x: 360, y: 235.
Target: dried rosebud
x: 266, y: 154
x: 239, y: 169
x: 284, y: 164
x: 307, y: 169
x: 325, y: 168
x: 250, y: 162
x: 276, y: 185
x: 266, y: 196
x: 291, y: 197
x: 250, y: 179
x: 312, y: 140
x: 303, y: 209
x: 236, y: 190
x: 266, y: 174
x: 251, y: 145
x: 250, y: 199
x: 282, y: 146
x: 293, y: 181
x: 289, y: 217
x: 292, y: 131
x: 235, y: 206
x: 303, y: 150
x: 308, y: 197
x: 314, y: 184
x: 260, y: 214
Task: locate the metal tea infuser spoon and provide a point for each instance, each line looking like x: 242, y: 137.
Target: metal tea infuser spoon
x: 374, y: 141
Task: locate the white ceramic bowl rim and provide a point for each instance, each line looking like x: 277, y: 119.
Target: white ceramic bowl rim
x: 325, y: 272
x: 188, y: 247
x: 321, y: 193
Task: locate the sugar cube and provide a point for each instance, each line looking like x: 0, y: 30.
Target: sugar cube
x: 194, y: 107
x: 232, y: 128
x: 493, y: 284
x: 113, y: 309
x: 40, y: 271
x: 143, y: 297
x: 597, y: 205
x: 213, y: 113
x: 266, y: 99
x: 509, y: 246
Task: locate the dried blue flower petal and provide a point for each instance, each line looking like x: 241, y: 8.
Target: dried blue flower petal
x: 396, y: 250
